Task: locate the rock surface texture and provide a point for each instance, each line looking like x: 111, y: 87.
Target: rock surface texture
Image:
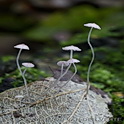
x: 50, y: 105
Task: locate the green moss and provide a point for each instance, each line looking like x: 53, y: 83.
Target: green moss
x: 117, y: 110
x: 32, y: 74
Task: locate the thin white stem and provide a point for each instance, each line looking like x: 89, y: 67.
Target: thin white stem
x: 71, y: 76
x: 22, y: 73
x: 93, y: 55
x: 71, y: 54
x: 91, y: 111
x: 25, y: 82
x: 63, y: 74
x: 61, y: 69
x: 17, y: 61
x: 75, y: 109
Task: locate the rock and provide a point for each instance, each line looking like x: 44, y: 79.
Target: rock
x: 53, y: 105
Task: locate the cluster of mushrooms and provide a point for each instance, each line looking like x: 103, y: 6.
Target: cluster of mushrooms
x: 67, y: 64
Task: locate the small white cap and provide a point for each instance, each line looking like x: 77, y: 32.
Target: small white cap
x: 28, y: 65
x: 93, y: 25
x: 74, y: 48
x: 64, y: 63
x: 22, y: 46
x: 19, y: 97
x: 73, y: 61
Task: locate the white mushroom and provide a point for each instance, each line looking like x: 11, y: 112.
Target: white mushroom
x: 71, y: 48
x: 72, y: 61
x: 27, y: 65
x: 20, y: 47
x: 62, y: 64
x: 92, y: 25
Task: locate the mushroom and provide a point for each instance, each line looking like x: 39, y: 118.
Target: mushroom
x: 20, y: 47
x: 62, y: 64
x: 27, y: 65
x: 71, y: 48
x: 72, y: 61
x: 92, y: 25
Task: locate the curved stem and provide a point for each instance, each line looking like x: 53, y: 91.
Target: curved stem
x: 25, y: 82
x: 63, y: 74
x: 89, y: 68
x: 22, y: 73
x: 17, y: 62
x: 71, y: 76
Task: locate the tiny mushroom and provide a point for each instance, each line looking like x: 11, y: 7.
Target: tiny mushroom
x: 91, y: 25
x: 72, y: 61
x: 71, y: 48
x: 21, y: 47
x: 27, y: 65
x: 62, y: 64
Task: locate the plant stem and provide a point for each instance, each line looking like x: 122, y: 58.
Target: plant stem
x: 63, y: 74
x: 71, y: 54
x: 17, y: 61
x: 25, y: 82
x: 71, y: 76
x: 61, y: 69
x: 89, y: 68
x: 22, y: 74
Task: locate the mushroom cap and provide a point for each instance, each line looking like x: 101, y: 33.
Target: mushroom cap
x: 64, y: 63
x: 73, y: 61
x: 22, y: 46
x: 19, y: 96
x: 74, y: 48
x: 28, y: 65
x: 93, y: 25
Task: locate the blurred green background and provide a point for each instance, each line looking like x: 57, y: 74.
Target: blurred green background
x: 48, y: 25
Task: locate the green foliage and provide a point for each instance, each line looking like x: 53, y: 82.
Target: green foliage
x: 32, y: 74
x: 117, y: 110
x: 60, y: 21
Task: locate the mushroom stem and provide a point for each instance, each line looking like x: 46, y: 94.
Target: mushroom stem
x: 63, y: 74
x: 71, y: 54
x: 61, y: 69
x: 22, y: 73
x: 25, y: 82
x: 93, y: 55
x: 71, y: 76
x: 17, y: 61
